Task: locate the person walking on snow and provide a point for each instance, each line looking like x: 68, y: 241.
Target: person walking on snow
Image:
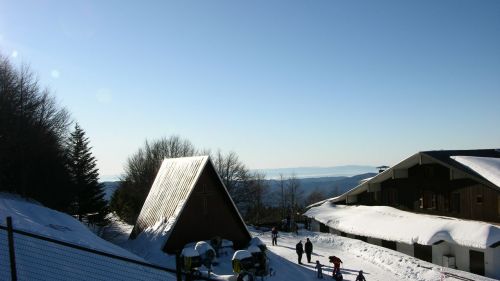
x: 320, y: 270
x: 308, y: 250
x: 336, y: 265
x: 274, y: 235
x: 300, y: 250
x: 360, y: 276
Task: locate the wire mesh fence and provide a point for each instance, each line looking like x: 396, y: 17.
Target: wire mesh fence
x: 43, y: 258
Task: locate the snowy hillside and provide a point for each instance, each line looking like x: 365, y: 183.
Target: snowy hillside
x: 39, y: 259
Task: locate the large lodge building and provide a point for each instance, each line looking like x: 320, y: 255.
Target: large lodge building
x: 462, y: 184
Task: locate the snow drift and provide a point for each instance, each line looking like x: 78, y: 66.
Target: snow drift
x: 395, y: 225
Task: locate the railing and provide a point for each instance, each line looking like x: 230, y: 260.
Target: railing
x: 28, y: 256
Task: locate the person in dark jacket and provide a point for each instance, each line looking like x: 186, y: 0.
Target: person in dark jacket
x: 319, y: 267
x: 274, y: 235
x: 300, y: 250
x: 308, y: 249
x: 360, y: 276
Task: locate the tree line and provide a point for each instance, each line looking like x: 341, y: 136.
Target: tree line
x: 249, y: 190
x: 40, y: 157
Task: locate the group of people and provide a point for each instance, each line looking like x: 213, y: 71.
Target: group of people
x: 308, y: 249
x: 336, y: 274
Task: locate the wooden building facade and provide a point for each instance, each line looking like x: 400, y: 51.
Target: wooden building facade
x: 433, y: 183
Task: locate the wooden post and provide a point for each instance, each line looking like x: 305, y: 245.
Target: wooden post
x: 178, y: 266
x: 10, y: 235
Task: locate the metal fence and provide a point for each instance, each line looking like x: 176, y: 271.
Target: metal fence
x: 29, y: 256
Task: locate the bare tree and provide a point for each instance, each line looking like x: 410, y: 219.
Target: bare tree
x: 141, y: 170
x: 33, y: 130
x: 315, y: 196
x: 283, y: 205
x: 258, y: 189
x: 294, y: 194
x: 234, y: 175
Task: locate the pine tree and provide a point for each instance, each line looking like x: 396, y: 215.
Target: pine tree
x: 88, y: 192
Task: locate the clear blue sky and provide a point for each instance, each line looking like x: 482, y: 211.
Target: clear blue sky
x: 282, y: 83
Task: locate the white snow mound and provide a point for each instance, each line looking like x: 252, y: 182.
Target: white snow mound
x: 395, y: 225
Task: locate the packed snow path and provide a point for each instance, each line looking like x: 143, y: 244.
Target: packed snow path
x: 377, y: 263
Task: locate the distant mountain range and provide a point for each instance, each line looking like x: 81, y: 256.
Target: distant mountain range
x: 331, y: 181
x: 317, y: 172
x: 329, y: 186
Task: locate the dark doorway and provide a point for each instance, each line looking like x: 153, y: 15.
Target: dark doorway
x: 476, y: 262
x: 389, y: 245
x: 423, y: 252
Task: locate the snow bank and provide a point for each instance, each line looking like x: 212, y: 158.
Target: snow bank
x: 202, y: 247
x: 189, y: 252
x: 150, y: 242
x: 394, y: 225
x: 487, y: 167
x: 33, y: 217
x: 241, y: 254
x: 37, y: 259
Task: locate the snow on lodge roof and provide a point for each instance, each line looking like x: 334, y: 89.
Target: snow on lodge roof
x: 391, y: 224
x: 42, y: 259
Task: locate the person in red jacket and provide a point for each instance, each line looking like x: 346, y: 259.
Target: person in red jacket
x: 336, y: 264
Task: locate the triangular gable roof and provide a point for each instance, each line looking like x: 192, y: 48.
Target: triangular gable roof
x: 446, y: 158
x: 172, y: 188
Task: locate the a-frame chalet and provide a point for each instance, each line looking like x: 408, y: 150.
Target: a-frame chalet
x: 190, y: 198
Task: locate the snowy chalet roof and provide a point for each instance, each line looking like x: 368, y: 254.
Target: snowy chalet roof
x: 177, y: 182
x: 481, y: 165
x: 391, y: 224
x: 173, y: 184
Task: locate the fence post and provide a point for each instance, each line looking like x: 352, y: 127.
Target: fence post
x: 178, y: 266
x: 10, y: 235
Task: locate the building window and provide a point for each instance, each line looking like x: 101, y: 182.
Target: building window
x: 479, y: 199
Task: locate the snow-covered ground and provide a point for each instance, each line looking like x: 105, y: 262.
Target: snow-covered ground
x: 378, y: 263
x: 41, y: 260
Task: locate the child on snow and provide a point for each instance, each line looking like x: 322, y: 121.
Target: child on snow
x: 360, y: 276
x: 320, y: 270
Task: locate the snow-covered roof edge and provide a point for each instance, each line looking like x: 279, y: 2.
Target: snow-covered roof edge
x: 487, y: 167
x: 158, y: 178
x: 389, y: 223
x: 175, y: 218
